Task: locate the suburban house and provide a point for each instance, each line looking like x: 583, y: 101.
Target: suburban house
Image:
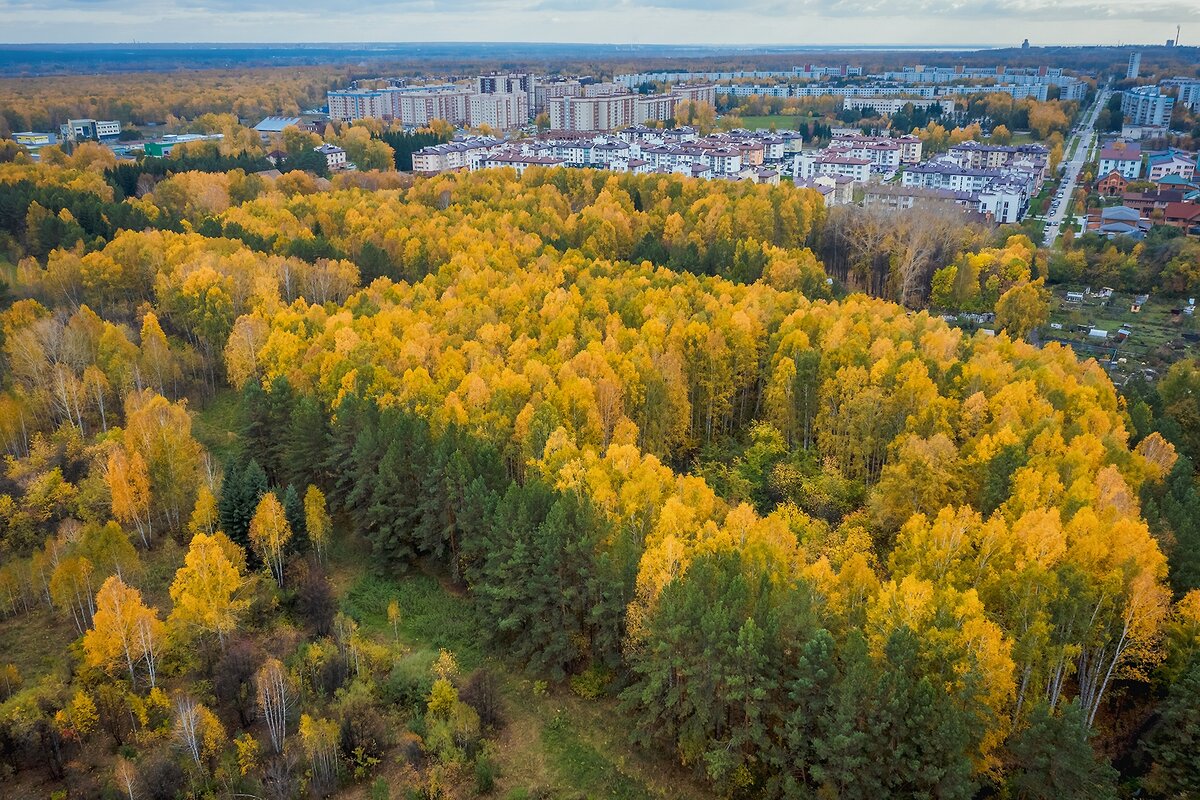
x: 335, y: 157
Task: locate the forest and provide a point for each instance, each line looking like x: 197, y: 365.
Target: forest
x: 328, y: 490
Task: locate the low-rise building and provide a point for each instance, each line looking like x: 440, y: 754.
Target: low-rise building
x: 273, y: 126
x: 1112, y: 184
x: 163, y: 147
x: 94, y: 129
x: 1171, y: 162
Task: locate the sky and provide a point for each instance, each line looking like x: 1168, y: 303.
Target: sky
x: 795, y: 22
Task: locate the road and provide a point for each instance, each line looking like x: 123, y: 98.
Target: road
x: 1084, y: 139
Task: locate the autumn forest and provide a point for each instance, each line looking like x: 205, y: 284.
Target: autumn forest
x: 373, y: 487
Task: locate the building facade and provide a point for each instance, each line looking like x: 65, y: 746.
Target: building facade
x: 1146, y: 105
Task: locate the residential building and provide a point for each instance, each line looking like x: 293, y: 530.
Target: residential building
x: 454, y: 155
x: 983, y: 155
x: 1149, y: 202
x: 1147, y: 106
x: 1135, y: 65
x: 544, y: 91
x: 500, y: 111
x: 348, y: 105
x: 514, y: 83
x: 335, y: 157
x: 610, y: 112
x: 418, y: 108
x: 1118, y: 221
x: 1003, y: 193
x: 1182, y: 215
x: 894, y: 105
x: 835, y: 190
x: 904, y: 198
x: 698, y: 93
x: 810, y: 165
x: 1172, y: 162
x: 1122, y: 157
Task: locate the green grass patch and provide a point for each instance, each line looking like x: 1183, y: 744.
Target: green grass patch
x: 36, y: 643
x: 429, y: 616
x: 580, y: 765
x: 216, y: 425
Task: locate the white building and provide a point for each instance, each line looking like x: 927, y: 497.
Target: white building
x: 894, y: 105
x: 97, y: 129
x: 1122, y: 157
x: 697, y: 93
x: 1147, y: 106
x: 335, y: 157
x: 809, y: 165
x: 610, y: 112
x: 1135, y: 65
x: 348, y: 105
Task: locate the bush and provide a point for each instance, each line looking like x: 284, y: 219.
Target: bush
x: 591, y: 683
x: 485, y: 774
x: 410, y: 681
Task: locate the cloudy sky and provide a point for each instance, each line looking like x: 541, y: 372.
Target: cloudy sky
x: 941, y: 22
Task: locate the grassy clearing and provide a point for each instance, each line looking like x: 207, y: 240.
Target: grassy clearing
x: 554, y: 744
x: 216, y: 424
x: 36, y: 642
x: 429, y: 617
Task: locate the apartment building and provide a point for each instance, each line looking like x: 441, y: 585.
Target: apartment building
x: 810, y: 165
x: 1188, y: 91
x: 1134, y: 67
x: 348, y: 105
x: 894, y: 105
x: 697, y: 93
x: 1147, y: 106
x: 1124, y: 158
x: 500, y: 111
x: 544, y: 91
x: 1003, y: 193
x: 419, y: 108
x: 609, y: 112
x: 451, y: 156
x: 1172, y: 162
x: 413, y: 106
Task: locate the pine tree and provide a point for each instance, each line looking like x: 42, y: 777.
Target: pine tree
x: 1052, y: 758
x: 307, y: 444
x: 293, y: 509
x: 1175, y: 740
